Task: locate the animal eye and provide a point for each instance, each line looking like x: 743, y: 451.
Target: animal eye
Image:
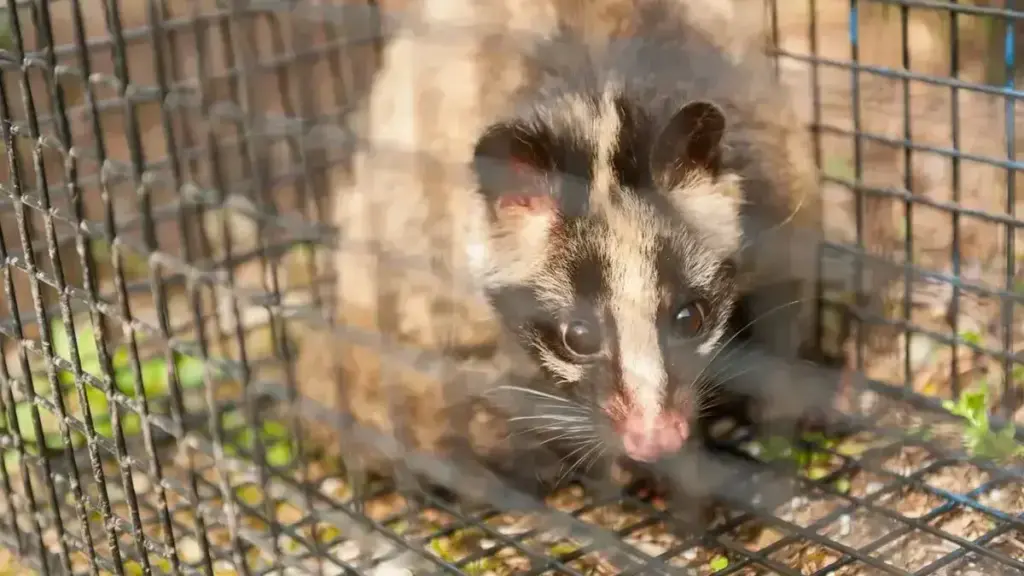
x: 689, y: 319
x: 582, y: 338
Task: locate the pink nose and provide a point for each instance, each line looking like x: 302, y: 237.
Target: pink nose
x: 647, y: 441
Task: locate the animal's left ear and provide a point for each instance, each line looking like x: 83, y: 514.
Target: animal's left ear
x: 692, y: 140
x: 511, y: 161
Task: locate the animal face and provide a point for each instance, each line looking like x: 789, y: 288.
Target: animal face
x: 611, y: 239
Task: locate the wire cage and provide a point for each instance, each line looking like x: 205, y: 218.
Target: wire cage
x: 164, y: 230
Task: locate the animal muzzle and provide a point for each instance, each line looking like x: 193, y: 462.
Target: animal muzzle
x: 647, y: 439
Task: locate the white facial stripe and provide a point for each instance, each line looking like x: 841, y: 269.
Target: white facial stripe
x: 606, y: 134
x: 708, y: 345
x: 634, y: 305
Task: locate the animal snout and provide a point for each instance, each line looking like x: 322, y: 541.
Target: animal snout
x: 647, y: 439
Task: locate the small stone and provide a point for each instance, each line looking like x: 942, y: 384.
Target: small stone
x: 141, y: 482
x: 650, y: 548
x: 845, y: 525
x: 347, y: 551
x: 396, y: 567
x: 921, y: 348
x: 189, y: 550
x: 512, y: 530
x: 335, y: 488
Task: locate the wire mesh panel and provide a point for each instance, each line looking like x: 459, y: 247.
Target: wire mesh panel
x: 167, y: 243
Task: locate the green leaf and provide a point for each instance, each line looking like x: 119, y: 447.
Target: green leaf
x: 400, y: 527
x: 25, y: 428
x: 976, y: 402
x: 104, y: 427
x: 98, y: 404
x: 11, y: 459
x: 6, y: 41
x: 842, y: 485
x: 52, y: 438
x: 719, y: 563
x: 84, y: 337
x: 275, y: 429
x: 55, y: 441
x: 124, y: 381
x: 971, y: 337
x: 59, y: 338
x: 852, y: 448
x: 163, y: 564
x: 776, y: 448
x: 817, y: 472
x: 803, y: 459
x: 154, y: 378
x: 245, y: 439
x: 279, y: 455
x: 190, y: 371
x: 250, y: 494
x: 839, y: 168
x: 133, y: 568
x: 326, y: 534
x: 42, y: 384
x: 121, y: 359
x: 232, y: 420
x: 131, y: 424
x: 440, y: 547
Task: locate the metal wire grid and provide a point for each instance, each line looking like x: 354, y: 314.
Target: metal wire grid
x: 1003, y: 17
x: 181, y: 504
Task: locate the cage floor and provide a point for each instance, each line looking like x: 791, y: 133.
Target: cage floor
x: 881, y: 502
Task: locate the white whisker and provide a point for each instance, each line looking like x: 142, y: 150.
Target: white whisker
x: 595, y: 459
x: 705, y: 406
x: 724, y: 367
x: 564, y: 428
x: 567, y: 456
x: 596, y: 444
x: 534, y: 392
x: 574, y: 409
x: 552, y: 428
x: 735, y: 375
x: 568, y: 437
x: 722, y: 347
x: 554, y: 417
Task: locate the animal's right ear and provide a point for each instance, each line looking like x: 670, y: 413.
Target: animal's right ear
x: 512, y: 165
x: 690, y: 141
